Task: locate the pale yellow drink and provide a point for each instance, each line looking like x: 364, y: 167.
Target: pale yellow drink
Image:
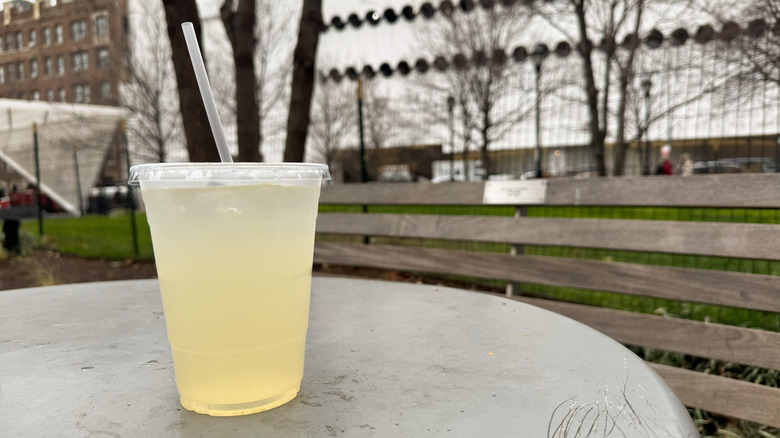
x: 234, y: 264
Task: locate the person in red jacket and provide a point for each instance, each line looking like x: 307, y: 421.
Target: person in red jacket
x: 665, y: 168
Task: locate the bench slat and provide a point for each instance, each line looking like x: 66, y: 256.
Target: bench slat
x: 727, y: 191
x: 743, y: 190
x: 716, y: 341
x: 723, y: 395
x: 403, y: 194
x: 755, y: 241
x: 750, y: 291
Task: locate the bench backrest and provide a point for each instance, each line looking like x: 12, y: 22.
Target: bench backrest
x: 691, y: 234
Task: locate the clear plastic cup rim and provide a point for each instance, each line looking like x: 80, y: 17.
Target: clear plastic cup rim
x: 280, y: 172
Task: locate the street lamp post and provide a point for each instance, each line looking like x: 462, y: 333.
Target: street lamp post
x: 537, y: 56
x: 363, y: 168
x: 451, y: 110
x: 646, y: 84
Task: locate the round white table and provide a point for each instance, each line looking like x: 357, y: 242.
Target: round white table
x: 382, y: 360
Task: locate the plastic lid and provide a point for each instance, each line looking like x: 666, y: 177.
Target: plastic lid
x: 228, y: 172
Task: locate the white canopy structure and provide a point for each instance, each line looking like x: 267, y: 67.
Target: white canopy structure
x: 72, y: 142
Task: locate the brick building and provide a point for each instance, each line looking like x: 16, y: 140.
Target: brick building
x: 73, y: 51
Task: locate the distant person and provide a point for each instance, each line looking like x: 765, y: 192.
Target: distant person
x: 11, y: 241
x: 665, y: 168
x: 686, y: 164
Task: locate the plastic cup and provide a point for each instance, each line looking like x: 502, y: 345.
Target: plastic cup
x: 233, y: 244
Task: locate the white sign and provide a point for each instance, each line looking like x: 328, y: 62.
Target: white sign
x: 515, y: 192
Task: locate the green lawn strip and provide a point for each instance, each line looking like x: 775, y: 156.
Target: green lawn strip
x: 337, y: 208
x: 477, y: 210
x: 747, y: 215
x: 104, y: 237
x: 737, y: 215
x: 415, y: 242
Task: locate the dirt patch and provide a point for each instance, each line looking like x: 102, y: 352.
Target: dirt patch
x: 46, y: 268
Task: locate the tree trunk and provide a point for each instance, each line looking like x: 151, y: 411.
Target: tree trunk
x: 620, y: 141
x: 159, y: 128
x: 626, y: 73
x: 304, y: 68
x: 585, y: 49
x: 240, y: 29
x: 484, y: 155
x: 200, y: 141
x: 465, y: 118
x: 260, y: 132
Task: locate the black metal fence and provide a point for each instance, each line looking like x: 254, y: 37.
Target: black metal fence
x: 693, y: 90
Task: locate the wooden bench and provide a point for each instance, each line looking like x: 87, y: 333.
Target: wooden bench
x: 753, y: 241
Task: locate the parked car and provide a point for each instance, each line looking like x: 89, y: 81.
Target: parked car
x: 736, y: 165
x: 21, y: 198
x: 104, y: 199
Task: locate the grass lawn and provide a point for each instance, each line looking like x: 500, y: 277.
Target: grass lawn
x: 103, y: 237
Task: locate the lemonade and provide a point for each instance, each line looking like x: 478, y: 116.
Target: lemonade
x: 234, y: 263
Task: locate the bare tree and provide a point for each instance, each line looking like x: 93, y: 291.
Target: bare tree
x: 379, y: 117
x: 200, y: 142
x: 478, y: 89
x: 333, y: 119
x: 597, y: 22
x: 757, y: 60
x: 304, y: 68
x: 273, y: 60
x: 625, y: 65
x: 150, y: 94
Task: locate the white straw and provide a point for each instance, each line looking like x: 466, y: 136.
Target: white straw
x: 205, y: 91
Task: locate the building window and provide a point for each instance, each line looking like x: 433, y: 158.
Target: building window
x: 78, y: 30
x: 60, y: 65
x: 80, y: 61
x: 58, y: 34
x: 33, y: 38
x: 47, y: 66
x: 102, y: 58
x: 36, y: 95
x: 19, y: 40
x: 101, y: 26
x: 62, y: 95
x: 10, y: 71
x: 20, y: 71
x: 81, y: 94
x: 50, y: 95
x: 34, y: 68
x: 9, y: 41
x: 1, y: 43
x: 105, y: 91
x: 46, y: 36
x: 2, y: 75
